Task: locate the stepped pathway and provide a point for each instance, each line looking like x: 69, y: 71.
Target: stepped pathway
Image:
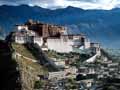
x: 91, y: 59
x: 20, y: 55
x: 103, y: 53
x: 9, y: 74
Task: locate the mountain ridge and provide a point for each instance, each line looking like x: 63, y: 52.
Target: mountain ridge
x: 100, y: 25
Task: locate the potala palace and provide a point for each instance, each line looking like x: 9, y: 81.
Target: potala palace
x: 52, y: 37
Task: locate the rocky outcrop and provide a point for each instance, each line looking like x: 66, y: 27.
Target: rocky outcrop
x: 8, y: 69
x: 28, y: 75
x: 29, y: 71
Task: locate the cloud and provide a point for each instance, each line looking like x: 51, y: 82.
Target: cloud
x: 53, y: 4
x: 92, y: 4
x: 14, y: 2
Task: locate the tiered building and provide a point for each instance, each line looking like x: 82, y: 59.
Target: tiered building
x: 50, y: 37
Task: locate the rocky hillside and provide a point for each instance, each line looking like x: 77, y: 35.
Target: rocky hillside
x: 29, y: 69
x: 19, y: 67
x: 8, y: 69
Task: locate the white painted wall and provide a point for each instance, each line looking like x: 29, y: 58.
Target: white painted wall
x: 98, y: 51
x: 76, y: 42
x: 23, y: 39
x: 59, y: 45
x: 72, y: 70
x: 22, y: 28
x: 87, y: 44
x: 20, y: 40
x: 60, y: 63
x: 57, y: 75
x: 38, y: 40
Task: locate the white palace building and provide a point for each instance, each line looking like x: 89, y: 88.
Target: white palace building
x: 51, y: 37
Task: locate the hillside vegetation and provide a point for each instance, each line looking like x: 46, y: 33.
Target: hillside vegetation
x: 29, y: 70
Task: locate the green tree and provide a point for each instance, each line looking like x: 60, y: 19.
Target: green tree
x: 38, y: 84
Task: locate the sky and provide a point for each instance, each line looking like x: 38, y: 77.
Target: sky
x: 54, y: 4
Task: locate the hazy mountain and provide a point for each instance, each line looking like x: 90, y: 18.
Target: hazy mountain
x: 99, y: 25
